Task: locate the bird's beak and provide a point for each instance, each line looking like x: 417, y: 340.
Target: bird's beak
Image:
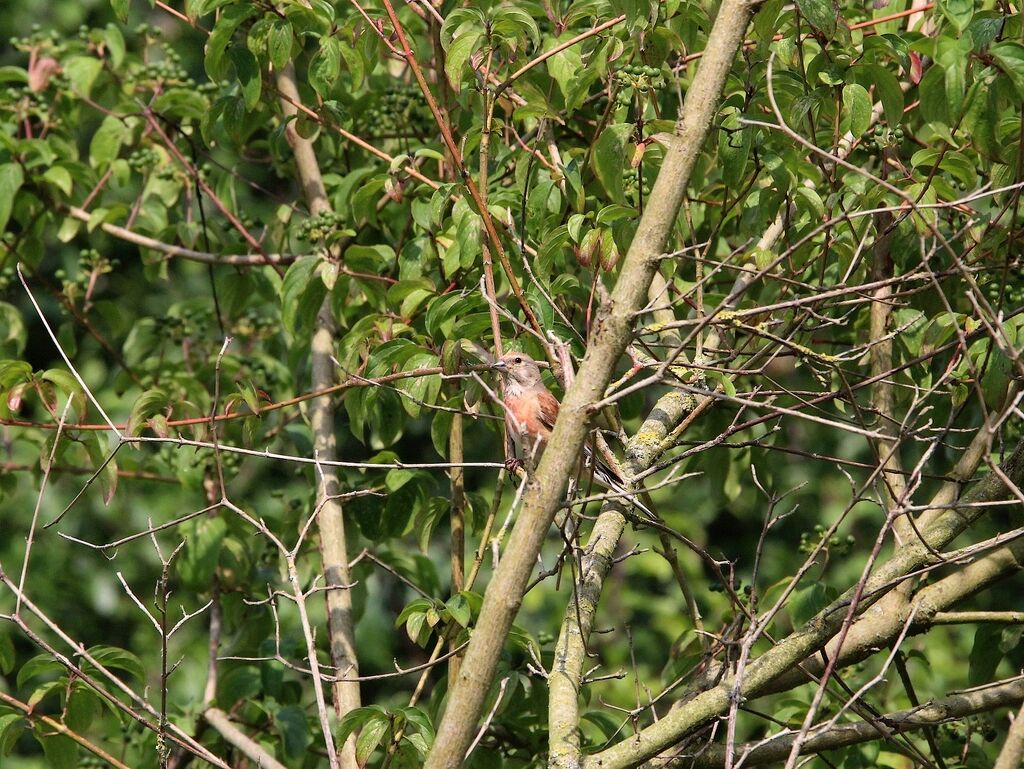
x: 499, y: 365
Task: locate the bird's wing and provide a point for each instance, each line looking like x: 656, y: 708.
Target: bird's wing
x: 547, y: 409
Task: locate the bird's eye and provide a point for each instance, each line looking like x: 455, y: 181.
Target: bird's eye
x: 518, y: 359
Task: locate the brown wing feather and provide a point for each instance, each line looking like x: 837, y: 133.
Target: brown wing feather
x: 547, y: 409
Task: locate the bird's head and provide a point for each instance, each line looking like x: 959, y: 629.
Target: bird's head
x: 518, y: 368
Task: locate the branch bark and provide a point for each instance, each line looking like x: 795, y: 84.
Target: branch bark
x: 571, y: 650
x: 219, y: 720
x: 330, y: 521
x: 929, y: 714
x: 546, y: 489
x: 798, y: 646
x: 1012, y: 753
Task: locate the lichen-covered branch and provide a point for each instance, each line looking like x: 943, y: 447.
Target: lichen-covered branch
x: 798, y: 646
x: 571, y: 649
x: 926, y: 715
x: 612, y: 333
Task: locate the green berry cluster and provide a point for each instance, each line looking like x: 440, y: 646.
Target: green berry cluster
x: 167, y: 71
x: 143, y: 159
x: 15, y: 95
x: 147, y: 31
x: 260, y: 372
x: 739, y: 588
x: 883, y: 137
x: 254, y: 324
x: 631, y: 183
x: 396, y: 109
x: 810, y: 540
x: 8, y: 277
x: 188, y: 323
x: 960, y: 731
x: 38, y: 39
x: 91, y: 264
x: 322, y: 227
x: 636, y: 78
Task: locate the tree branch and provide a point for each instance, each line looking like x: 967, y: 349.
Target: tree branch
x: 936, y: 712
x: 545, y: 491
x: 330, y: 521
x: 571, y: 649
x: 798, y: 646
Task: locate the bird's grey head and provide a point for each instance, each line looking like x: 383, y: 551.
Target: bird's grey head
x: 518, y: 369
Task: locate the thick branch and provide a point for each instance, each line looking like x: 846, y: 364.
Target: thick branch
x: 331, y: 523
x: 929, y: 714
x: 1012, y: 753
x: 797, y: 647
x: 546, y: 489
x: 219, y: 720
x: 571, y: 649
x: 878, y: 627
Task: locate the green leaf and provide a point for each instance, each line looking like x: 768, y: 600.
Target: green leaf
x: 955, y: 88
x: 960, y: 12
x: 141, y: 343
x: 614, y: 213
x: 7, y: 656
x: 355, y: 63
x: 220, y: 37
x: 59, y: 177
x: 204, y: 538
x: 41, y: 664
x: 300, y: 289
x: 11, y: 74
x: 12, y: 725
x: 115, y: 43
x: 734, y: 144
x: 325, y: 65
x: 107, y: 141
x: 119, y: 659
x: 857, y: 108
x: 247, y: 69
x: 985, y: 653
x: 68, y: 385
x: 306, y: 21
x: 457, y: 55
x: 932, y: 93
x: 81, y: 707
x: 181, y: 103
x: 11, y: 179
x: 238, y: 683
x: 887, y: 90
x: 609, y: 158
x: 356, y: 719
x: 565, y: 66
x: 279, y: 42
x: 61, y: 752
x: 1010, y: 58
x: 459, y: 21
x: 101, y: 459
x: 81, y: 72
x: 823, y: 15
x: 370, y: 736
x: 510, y: 20
x: 458, y: 607
x: 808, y: 600
x: 146, y: 405
x: 293, y: 726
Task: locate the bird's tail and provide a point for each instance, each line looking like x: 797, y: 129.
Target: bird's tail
x: 607, y: 477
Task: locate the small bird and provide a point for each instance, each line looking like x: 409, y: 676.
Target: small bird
x: 530, y: 414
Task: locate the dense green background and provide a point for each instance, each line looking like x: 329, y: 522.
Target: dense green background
x: 144, y: 333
